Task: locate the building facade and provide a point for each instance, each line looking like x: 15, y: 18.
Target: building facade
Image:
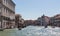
x: 19, y: 21
x: 29, y: 22
x: 55, y: 21
x: 7, y: 13
x: 43, y: 20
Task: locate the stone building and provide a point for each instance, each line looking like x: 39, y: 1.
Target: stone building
x: 29, y: 22
x: 55, y: 21
x: 7, y: 13
x: 19, y: 21
x: 51, y: 21
x: 39, y: 21
x: 43, y: 20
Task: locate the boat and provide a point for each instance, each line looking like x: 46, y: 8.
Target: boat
x: 1, y: 29
x: 19, y: 28
x: 46, y: 26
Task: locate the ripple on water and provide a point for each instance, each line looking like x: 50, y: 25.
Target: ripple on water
x: 32, y: 31
x: 40, y: 31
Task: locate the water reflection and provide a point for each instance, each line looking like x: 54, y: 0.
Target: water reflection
x: 8, y: 32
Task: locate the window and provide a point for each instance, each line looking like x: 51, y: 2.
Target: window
x: 3, y: 1
x: 6, y: 1
x: 0, y: 10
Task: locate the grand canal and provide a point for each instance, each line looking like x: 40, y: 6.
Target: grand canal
x: 32, y: 31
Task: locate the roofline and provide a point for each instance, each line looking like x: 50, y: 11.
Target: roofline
x: 12, y: 2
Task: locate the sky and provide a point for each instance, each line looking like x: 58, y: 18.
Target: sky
x: 32, y: 9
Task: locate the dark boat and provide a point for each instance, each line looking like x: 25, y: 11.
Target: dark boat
x: 46, y: 26
x: 1, y: 29
x: 19, y: 28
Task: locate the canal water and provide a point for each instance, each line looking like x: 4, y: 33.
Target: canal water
x: 32, y: 31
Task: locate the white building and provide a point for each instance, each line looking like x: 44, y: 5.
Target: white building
x: 7, y: 11
x: 44, y: 20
